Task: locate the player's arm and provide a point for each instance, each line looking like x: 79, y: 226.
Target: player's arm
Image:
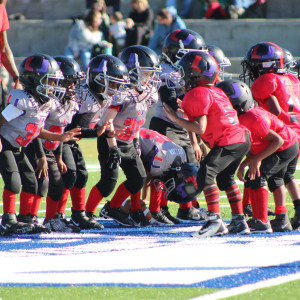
x: 198, y: 126
x: 109, y: 117
x: 63, y: 137
x: 274, y: 106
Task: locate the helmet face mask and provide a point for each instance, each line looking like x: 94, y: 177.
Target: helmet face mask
x: 289, y: 62
x: 179, y: 183
x: 221, y: 59
x: 41, y: 76
x: 107, y: 76
x: 74, y: 78
x: 143, y: 66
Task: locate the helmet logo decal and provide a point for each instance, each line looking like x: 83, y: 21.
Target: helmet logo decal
x: 269, y: 55
x: 237, y: 91
x: 196, y: 63
x: 180, y: 190
x: 100, y: 68
x: 131, y: 60
x: 44, y: 66
x: 27, y: 64
x: 185, y: 42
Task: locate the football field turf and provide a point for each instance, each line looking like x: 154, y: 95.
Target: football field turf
x: 161, y: 262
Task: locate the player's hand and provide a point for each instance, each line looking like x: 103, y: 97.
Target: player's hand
x: 71, y: 135
x: 254, y: 169
x: 114, y: 157
x: 42, y: 168
x: 62, y: 167
x: 102, y: 128
x: 136, y: 145
x: 240, y: 173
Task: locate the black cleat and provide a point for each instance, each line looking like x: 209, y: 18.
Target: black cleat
x: 80, y: 219
x: 238, y: 225
x: 257, y: 226
x: 138, y: 219
x: 160, y: 218
x: 247, y: 210
x: 60, y: 224
x: 10, y: 225
x: 295, y: 221
x: 116, y: 214
x: 281, y: 223
x: 165, y: 210
x: 189, y: 214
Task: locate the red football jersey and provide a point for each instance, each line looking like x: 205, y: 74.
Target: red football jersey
x: 286, y: 88
x: 4, y: 25
x: 223, y: 127
x: 260, y: 122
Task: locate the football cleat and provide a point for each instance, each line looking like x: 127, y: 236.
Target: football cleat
x: 281, y: 223
x: 257, y: 226
x: 116, y: 214
x: 38, y: 228
x: 59, y: 224
x: 10, y: 225
x: 91, y: 215
x: 295, y: 221
x: 214, y: 226
x: 238, y: 225
x: 160, y: 218
x: 138, y: 219
x: 189, y: 214
x: 271, y: 212
x: 165, y: 210
x: 80, y: 219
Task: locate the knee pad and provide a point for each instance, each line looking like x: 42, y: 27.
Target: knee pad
x: 225, y: 182
x: 106, y: 186
x: 274, y: 183
x: 81, y: 180
x: 43, y: 187
x: 257, y: 183
x: 135, y: 184
x: 69, y: 179
x: 12, y: 182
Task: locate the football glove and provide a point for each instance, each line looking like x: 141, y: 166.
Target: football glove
x: 136, y: 145
x: 114, y: 157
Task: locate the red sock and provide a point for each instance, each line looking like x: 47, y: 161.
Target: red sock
x: 155, y: 199
x: 9, y: 201
x: 120, y: 196
x: 78, y: 198
x: 36, y: 205
x: 246, y: 196
x: 280, y: 210
x: 94, y: 199
x: 261, y: 199
x: 51, y: 208
x: 235, y: 199
x: 26, y: 200
x: 186, y: 205
x: 212, y: 196
x: 135, y: 201
x: 63, y: 201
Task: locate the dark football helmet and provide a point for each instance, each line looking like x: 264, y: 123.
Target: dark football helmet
x: 74, y: 78
x: 239, y: 94
x: 40, y: 75
x: 221, y: 59
x: 198, y: 69
x: 138, y: 60
x: 263, y: 58
x: 179, y: 42
x: 107, y: 76
x: 179, y: 183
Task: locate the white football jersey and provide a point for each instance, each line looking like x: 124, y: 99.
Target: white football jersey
x: 19, y: 132
x: 132, y: 113
x: 159, y: 150
x: 91, y: 110
x: 58, y: 120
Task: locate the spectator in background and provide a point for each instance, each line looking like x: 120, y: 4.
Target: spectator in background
x: 167, y: 22
x: 186, y: 6
x: 117, y: 32
x: 113, y: 6
x: 84, y: 37
x: 6, y: 55
x: 214, y: 10
x: 143, y: 18
x: 247, y: 9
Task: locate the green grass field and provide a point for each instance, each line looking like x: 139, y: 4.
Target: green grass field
x: 289, y: 290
